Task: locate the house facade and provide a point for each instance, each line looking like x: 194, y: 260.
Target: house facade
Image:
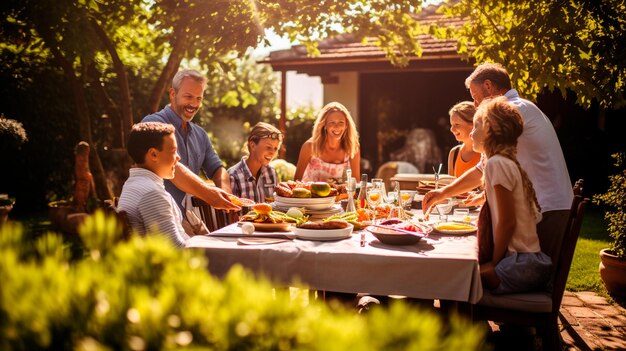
x: 396, y: 106
x: 388, y: 102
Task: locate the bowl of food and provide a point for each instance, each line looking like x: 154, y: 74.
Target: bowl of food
x: 265, y: 219
x: 309, y: 195
x: 396, y: 232
x: 310, y: 203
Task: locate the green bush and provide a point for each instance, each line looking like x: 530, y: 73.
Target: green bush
x: 12, y: 134
x: 615, y: 201
x: 145, y: 295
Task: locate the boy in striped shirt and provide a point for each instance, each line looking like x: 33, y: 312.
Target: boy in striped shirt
x: 150, y: 208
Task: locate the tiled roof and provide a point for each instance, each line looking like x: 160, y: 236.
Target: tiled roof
x: 348, y: 47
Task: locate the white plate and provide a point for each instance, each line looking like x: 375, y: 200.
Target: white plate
x: 312, y: 200
x: 271, y: 227
x: 323, y: 234
x: 311, y: 203
x: 457, y: 231
x: 306, y: 206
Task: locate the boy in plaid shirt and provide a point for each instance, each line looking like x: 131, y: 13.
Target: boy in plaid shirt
x: 253, y: 177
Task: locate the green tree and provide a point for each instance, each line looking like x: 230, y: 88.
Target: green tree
x: 100, y: 45
x: 574, y: 44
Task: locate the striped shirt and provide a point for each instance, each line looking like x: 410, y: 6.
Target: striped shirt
x: 150, y: 207
x: 245, y: 185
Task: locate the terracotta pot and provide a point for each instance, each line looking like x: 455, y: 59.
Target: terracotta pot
x: 613, y: 273
x: 58, y: 212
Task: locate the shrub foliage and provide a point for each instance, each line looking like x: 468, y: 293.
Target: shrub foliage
x: 143, y: 294
x: 615, y: 201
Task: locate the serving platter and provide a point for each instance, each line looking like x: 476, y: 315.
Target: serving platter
x: 323, y: 234
x: 463, y: 228
x: 271, y: 227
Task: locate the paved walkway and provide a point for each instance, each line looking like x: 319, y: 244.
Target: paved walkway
x: 588, y: 322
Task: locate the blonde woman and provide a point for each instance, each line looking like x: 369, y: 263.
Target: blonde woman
x: 332, y: 149
x: 253, y: 178
x: 517, y: 263
x: 462, y: 157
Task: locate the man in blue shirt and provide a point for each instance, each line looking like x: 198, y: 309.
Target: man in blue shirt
x: 194, y: 146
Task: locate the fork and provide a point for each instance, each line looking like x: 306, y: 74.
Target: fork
x: 437, y: 175
x: 398, y: 230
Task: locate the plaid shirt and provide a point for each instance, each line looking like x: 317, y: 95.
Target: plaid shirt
x: 245, y: 185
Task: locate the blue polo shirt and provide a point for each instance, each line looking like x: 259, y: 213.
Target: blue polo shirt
x: 194, y: 148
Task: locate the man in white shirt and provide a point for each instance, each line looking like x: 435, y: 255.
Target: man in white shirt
x: 538, y: 152
x: 150, y: 208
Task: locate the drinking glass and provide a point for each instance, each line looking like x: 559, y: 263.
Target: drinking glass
x: 406, y: 199
x: 461, y: 214
x: 443, y: 209
x: 379, y: 184
x: 373, y: 199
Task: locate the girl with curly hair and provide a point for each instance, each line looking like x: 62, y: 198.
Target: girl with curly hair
x: 517, y: 263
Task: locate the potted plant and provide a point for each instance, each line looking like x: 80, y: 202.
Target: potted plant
x: 613, y: 259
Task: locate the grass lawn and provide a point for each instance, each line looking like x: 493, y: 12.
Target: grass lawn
x: 584, y: 274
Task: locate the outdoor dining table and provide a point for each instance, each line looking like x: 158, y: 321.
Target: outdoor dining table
x: 437, y: 267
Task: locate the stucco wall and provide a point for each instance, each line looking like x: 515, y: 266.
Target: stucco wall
x: 344, y: 91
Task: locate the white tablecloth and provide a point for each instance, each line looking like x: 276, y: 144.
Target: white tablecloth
x: 438, y: 267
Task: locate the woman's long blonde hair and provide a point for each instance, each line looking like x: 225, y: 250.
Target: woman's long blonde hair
x: 350, y: 138
x: 503, y: 125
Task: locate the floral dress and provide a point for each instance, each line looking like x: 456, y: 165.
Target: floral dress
x: 320, y: 171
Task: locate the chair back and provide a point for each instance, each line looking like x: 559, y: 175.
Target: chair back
x: 568, y: 246
x: 122, y: 218
x: 551, y: 241
x: 110, y: 205
x: 578, y: 187
x: 213, y: 218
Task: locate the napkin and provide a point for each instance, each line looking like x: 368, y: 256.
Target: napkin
x: 195, y: 223
x: 260, y: 241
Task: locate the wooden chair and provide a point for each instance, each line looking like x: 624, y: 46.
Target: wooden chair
x: 539, y: 309
x: 121, y: 215
x: 122, y: 218
x: 213, y: 218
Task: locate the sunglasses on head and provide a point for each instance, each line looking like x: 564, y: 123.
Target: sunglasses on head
x: 274, y: 136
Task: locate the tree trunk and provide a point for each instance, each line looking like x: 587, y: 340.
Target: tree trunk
x: 170, y: 69
x: 122, y: 79
x: 103, y: 190
x: 114, y: 124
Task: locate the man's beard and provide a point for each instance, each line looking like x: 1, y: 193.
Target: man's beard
x: 184, y: 117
